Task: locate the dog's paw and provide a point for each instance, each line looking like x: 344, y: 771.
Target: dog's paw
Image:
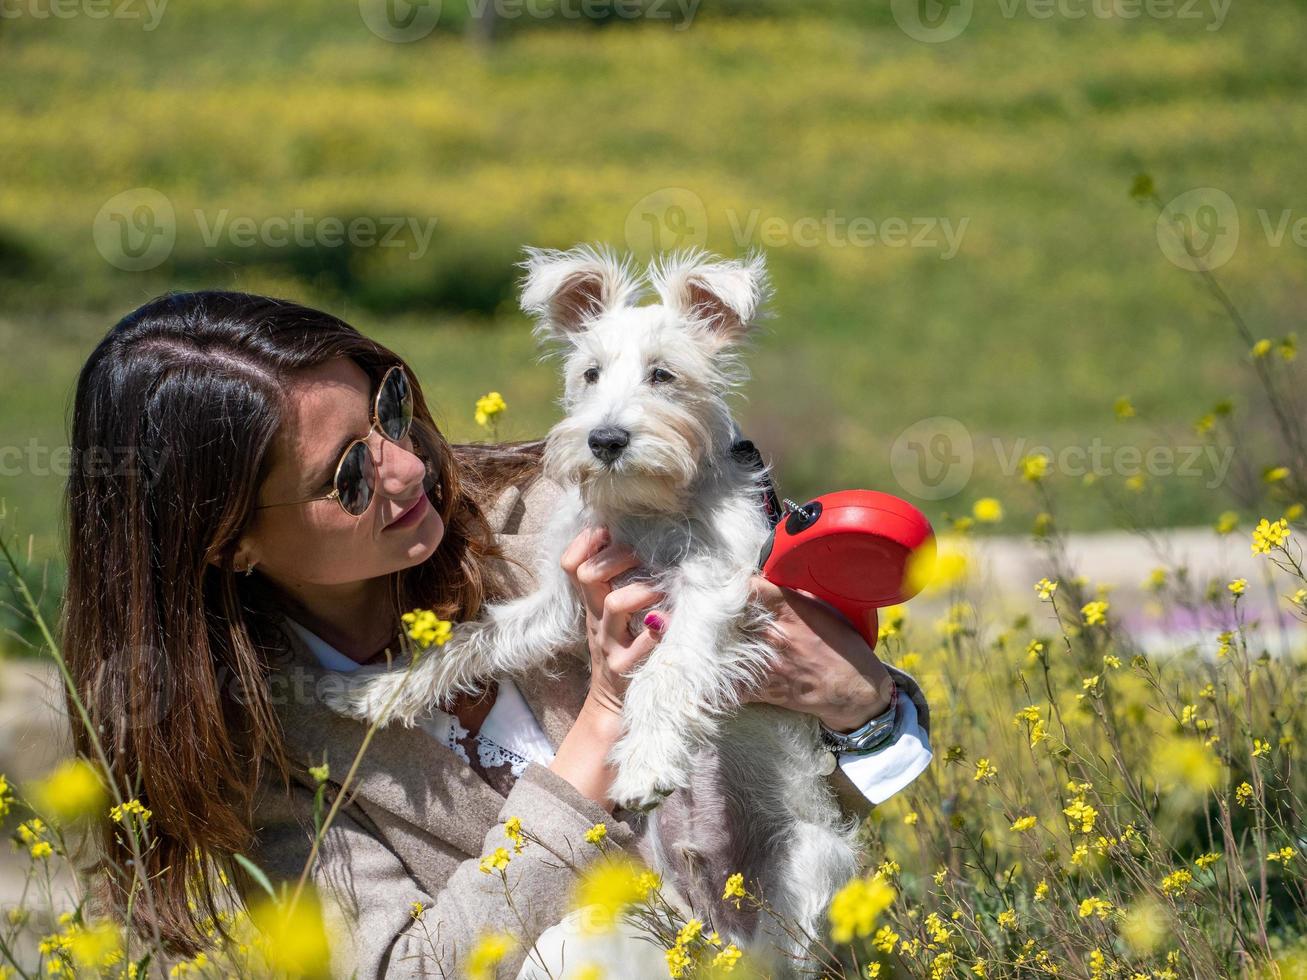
x: 647, y: 774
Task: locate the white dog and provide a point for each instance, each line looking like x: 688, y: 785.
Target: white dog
x: 644, y: 450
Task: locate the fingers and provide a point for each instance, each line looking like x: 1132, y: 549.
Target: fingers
x: 621, y: 603
x: 585, y: 544
x: 635, y: 653
x: 766, y: 593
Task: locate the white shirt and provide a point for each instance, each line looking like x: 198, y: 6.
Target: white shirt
x: 510, y: 733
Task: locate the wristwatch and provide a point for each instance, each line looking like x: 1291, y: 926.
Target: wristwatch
x: 869, y: 737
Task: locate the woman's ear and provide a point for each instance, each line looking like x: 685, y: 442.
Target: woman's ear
x: 565, y: 291
x: 726, y: 297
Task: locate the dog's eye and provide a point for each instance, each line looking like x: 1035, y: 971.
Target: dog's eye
x: 591, y: 375
x: 660, y: 376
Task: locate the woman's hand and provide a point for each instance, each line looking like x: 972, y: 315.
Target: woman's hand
x: 825, y: 667
x: 592, y: 560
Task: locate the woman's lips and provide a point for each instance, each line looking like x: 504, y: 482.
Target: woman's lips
x: 412, y: 514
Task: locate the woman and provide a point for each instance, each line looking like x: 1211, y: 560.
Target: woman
x: 288, y: 498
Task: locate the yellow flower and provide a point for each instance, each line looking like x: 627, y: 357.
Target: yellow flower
x: 122, y: 811
x: 596, y: 833
x: 497, y: 861
x: 292, y: 940
x: 41, y: 850
x: 31, y: 831
x: 735, y: 889
x: 1034, y: 467
x: 1022, y: 824
x: 513, y: 831
x: 608, y: 886
x: 1186, y: 761
x: 1284, y: 855
x: 727, y: 958
x: 1243, y: 794
x: 74, y: 789
x: 1177, y: 883
x: 1156, y: 580
x: 1124, y: 410
x: 417, y: 910
x: 1261, y: 348
x: 1261, y: 747
x: 871, y: 971
x: 427, y: 629
x: 1045, y: 589
x: 95, y: 946
x: 1007, y: 919
x: 910, y: 818
x: 1080, y: 812
x: 489, y: 406
x: 1041, y: 890
x: 678, y: 961
x: 1276, y: 474
x: 1288, y: 347
x: 885, y: 939
x: 488, y: 953
x: 856, y: 906
x: 1095, y: 906
x: 984, y: 770
x: 987, y: 510
x: 1227, y: 522
x: 320, y: 773
x: 1268, y: 535
x: 1238, y: 587
x: 1095, y: 612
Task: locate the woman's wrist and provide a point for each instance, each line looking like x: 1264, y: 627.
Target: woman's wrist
x: 582, y: 757
x: 848, y: 717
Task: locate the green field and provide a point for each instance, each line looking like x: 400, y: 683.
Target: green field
x: 1025, y: 132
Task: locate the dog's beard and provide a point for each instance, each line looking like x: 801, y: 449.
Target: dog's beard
x: 654, y: 476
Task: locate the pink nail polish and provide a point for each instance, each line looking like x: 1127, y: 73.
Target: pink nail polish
x: 654, y: 622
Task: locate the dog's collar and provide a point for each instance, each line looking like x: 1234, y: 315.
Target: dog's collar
x: 744, y: 452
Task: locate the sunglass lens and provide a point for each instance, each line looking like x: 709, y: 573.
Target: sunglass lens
x: 395, y: 405
x: 354, y: 480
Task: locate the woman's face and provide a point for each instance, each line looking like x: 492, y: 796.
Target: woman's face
x: 316, y: 542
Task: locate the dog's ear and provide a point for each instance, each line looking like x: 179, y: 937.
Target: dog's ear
x: 726, y: 297
x: 564, y: 291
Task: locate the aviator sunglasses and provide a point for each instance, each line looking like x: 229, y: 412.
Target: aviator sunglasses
x: 355, y: 479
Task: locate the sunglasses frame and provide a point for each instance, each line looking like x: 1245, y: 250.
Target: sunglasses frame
x: 371, y: 463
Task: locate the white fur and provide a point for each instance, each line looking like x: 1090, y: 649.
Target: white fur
x: 693, y: 515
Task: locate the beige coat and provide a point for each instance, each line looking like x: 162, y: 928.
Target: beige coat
x: 419, y: 819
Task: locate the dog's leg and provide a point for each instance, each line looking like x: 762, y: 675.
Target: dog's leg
x: 512, y: 637
x: 691, y: 679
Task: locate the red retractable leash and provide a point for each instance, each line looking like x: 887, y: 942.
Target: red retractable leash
x: 851, y: 548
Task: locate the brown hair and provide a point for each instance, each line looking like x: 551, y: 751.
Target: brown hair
x: 173, y: 423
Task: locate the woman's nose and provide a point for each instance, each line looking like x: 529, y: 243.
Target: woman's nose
x: 399, y: 471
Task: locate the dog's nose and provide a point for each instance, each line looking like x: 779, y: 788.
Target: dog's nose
x: 608, y: 442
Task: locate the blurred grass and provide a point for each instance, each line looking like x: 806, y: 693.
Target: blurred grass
x: 1030, y: 130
